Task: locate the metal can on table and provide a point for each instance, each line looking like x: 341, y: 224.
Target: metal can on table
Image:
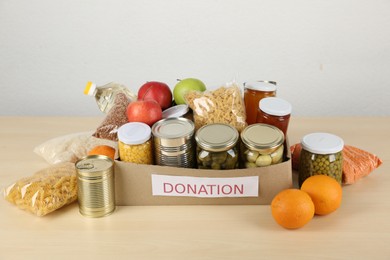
x: 96, y: 186
x: 174, y: 143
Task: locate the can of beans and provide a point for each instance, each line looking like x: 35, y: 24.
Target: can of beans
x: 174, y: 143
x: 96, y: 186
x: 321, y: 154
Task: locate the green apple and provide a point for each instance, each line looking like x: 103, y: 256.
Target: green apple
x: 183, y: 86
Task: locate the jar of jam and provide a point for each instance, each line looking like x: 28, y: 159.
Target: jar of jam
x: 135, y: 143
x: 274, y: 111
x: 262, y: 145
x: 321, y: 154
x: 253, y: 93
x: 216, y: 147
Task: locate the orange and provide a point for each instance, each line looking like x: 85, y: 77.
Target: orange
x: 292, y: 208
x: 103, y: 150
x: 325, y: 192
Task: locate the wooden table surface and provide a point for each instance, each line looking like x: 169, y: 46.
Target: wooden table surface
x: 359, y: 229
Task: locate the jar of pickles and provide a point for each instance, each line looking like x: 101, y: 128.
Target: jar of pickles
x: 253, y: 93
x: 262, y: 145
x: 135, y: 143
x: 274, y: 111
x: 216, y: 147
x: 321, y: 154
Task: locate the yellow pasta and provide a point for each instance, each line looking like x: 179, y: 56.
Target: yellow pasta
x: 223, y: 105
x: 45, y: 191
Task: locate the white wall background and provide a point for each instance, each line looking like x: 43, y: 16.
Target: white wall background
x: 328, y: 57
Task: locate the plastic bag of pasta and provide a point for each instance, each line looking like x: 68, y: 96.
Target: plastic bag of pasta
x: 46, y: 191
x: 223, y: 105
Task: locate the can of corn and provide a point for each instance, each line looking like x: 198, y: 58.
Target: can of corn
x: 96, y: 186
x: 174, y: 143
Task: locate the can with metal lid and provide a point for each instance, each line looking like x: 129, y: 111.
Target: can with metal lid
x: 262, y: 145
x: 321, y: 154
x: 96, y: 186
x: 216, y: 147
x: 174, y: 143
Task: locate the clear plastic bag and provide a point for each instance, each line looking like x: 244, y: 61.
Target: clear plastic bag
x: 70, y: 148
x: 46, y: 191
x: 115, y: 118
x: 357, y: 163
x: 223, y: 105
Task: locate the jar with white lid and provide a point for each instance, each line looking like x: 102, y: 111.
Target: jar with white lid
x: 216, y: 147
x: 321, y: 154
x: 135, y: 143
x: 274, y: 111
x: 262, y: 145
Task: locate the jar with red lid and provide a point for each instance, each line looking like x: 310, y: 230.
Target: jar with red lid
x: 253, y: 92
x: 274, y: 111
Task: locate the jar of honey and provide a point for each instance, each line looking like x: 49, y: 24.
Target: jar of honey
x: 274, y: 111
x: 253, y: 92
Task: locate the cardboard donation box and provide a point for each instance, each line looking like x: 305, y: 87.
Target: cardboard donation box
x: 138, y: 184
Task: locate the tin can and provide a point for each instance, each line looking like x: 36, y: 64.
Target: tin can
x: 174, y: 143
x: 96, y: 187
x: 321, y: 154
x: 216, y: 147
x: 262, y: 145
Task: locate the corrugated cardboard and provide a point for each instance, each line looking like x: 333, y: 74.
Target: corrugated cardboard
x: 133, y: 184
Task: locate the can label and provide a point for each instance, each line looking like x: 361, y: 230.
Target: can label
x: 96, y: 190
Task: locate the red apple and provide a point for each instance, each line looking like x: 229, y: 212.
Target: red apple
x: 145, y: 111
x: 157, y: 91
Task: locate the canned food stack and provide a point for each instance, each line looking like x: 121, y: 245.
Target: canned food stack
x: 174, y: 142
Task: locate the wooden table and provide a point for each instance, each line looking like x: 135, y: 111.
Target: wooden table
x: 359, y: 229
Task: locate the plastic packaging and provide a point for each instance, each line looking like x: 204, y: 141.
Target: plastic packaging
x: 45, y: 191
x: 114, y: 119
x: 105, y: 95
x: 71, y: 147
x: 357, y: 163
x: 223, y: 105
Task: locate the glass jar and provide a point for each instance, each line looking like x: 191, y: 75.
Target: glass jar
x: 253, y: 93
x: 216, y: 147
x: 321, y: 154
x: 182, y: 110
x: 262, y: 145
x: 274, y: 111
x: 135, y: 143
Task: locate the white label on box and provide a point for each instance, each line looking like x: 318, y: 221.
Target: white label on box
x: 205, y: 187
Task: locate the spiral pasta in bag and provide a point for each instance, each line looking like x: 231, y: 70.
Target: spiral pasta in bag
x: 46, y: 191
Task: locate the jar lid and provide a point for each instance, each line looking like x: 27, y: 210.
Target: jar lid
x: 89, y: 88
x: 217, y: 137
x: 263, y: 138
x: 275, y: 106
x: 134, y: 133
x: 322, y: 143
x: 173, y: 127
x: 261, y: 85
x: 175, y: 111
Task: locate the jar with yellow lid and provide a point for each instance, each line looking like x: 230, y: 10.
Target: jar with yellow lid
x: 216, y: 147
x: 262, y: 145
x: 135, y: 143
x: 321, y: 154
